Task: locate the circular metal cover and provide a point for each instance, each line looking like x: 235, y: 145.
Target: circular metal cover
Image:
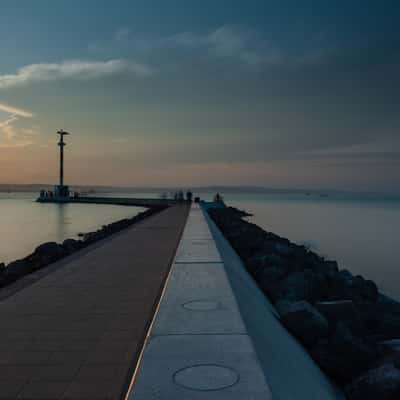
x: 206, y: 377
x: 201, y: 305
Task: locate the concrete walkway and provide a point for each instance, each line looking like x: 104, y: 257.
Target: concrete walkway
x: 199, y: 347
x: 216, y: 336
x: 76, y: 333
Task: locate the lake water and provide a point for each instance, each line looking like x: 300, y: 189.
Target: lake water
x: 360, y: 233
x: 24, y: 224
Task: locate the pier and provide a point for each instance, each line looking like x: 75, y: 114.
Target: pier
x: 120, y: 201
x: 161, y: 310
x: 76, y: 332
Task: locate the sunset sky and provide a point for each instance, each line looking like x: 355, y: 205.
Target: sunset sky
x: 282, y: 93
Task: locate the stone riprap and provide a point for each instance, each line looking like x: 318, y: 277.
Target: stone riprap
x: 342, y: 320
x: 49, y: 252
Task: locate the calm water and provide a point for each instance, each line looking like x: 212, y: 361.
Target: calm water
x: 361, y: 234
x: 24, y: 224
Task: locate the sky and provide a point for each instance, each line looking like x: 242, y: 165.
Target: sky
x: 282, y: 93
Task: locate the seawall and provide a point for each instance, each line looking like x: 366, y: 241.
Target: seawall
x: 215, y: 336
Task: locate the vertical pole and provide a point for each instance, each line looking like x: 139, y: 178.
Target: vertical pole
x: 61, y: 144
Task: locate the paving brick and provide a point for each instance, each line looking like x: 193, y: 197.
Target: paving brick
x: 43, y: 390
x: 77, y: 331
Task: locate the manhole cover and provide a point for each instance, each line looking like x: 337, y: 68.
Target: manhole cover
x: 206, y: 377
x: 201, y: 305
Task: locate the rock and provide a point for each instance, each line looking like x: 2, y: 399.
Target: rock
x: 283, y: 248
x: 344, y: 311
x: 388, y: 324
x: 370, y: 291
x: 346, y: 277
x: 259, y: 262
x: 382, y: 317
x: 70, y: 245
x: 328, y: 268
x: 382, y: 383
x: 303, y: 320
x: 294, y: 287
x: 268, y: 279
x: 317, y: 286
x: 344, y: 356
x: 248, y: 243
x: 393, y: 344
x: 335, y: 311
x: 18, y: 269
x: 50, y: 251
x: 271, y: 274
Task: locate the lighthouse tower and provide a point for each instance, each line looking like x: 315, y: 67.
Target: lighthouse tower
x: 61, y: 190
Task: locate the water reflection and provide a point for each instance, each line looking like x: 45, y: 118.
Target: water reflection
x: 61, y: 210
x: 24, y: 224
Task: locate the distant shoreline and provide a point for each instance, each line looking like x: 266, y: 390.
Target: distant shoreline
x: 93, y: 189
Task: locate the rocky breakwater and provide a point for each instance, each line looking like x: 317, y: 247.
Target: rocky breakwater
x: 349, y: 328
x: 47, y: 253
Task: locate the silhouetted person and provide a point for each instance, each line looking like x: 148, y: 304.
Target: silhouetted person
x: 217, y: 198
x: 189, y: 195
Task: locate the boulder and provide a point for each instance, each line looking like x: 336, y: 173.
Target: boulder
x: 270, y: 274
x: 346, y: 277
x: 317, y: 286
x: 393, y: 344
x: 248, y: 242
x: 340, y: 286
x: 283, y: 248
x: 335, y: 311
x: 369, y: 291
x: 260, y: 262
x: 328, y: 268
x: 49, y: 252
x: 381, y: 383
x: 70, y: 245
x: 294, y: 287
x: 18, y: 269
x: 343, y: 356
x: 382, y: 317
x: 344, y: 311
x: 303, y: 321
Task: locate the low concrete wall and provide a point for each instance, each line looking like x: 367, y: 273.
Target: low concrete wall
x: 289, y: 370
x: 215, y: 335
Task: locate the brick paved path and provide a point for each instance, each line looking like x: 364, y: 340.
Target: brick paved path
x: 76, y: 333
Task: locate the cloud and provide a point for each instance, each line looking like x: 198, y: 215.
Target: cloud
x: 227, y: 41
x: 10, y: 136
x: 82, y: 70
x: 122, y: 33
x: 15, y: 111
x: 245, y: 45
